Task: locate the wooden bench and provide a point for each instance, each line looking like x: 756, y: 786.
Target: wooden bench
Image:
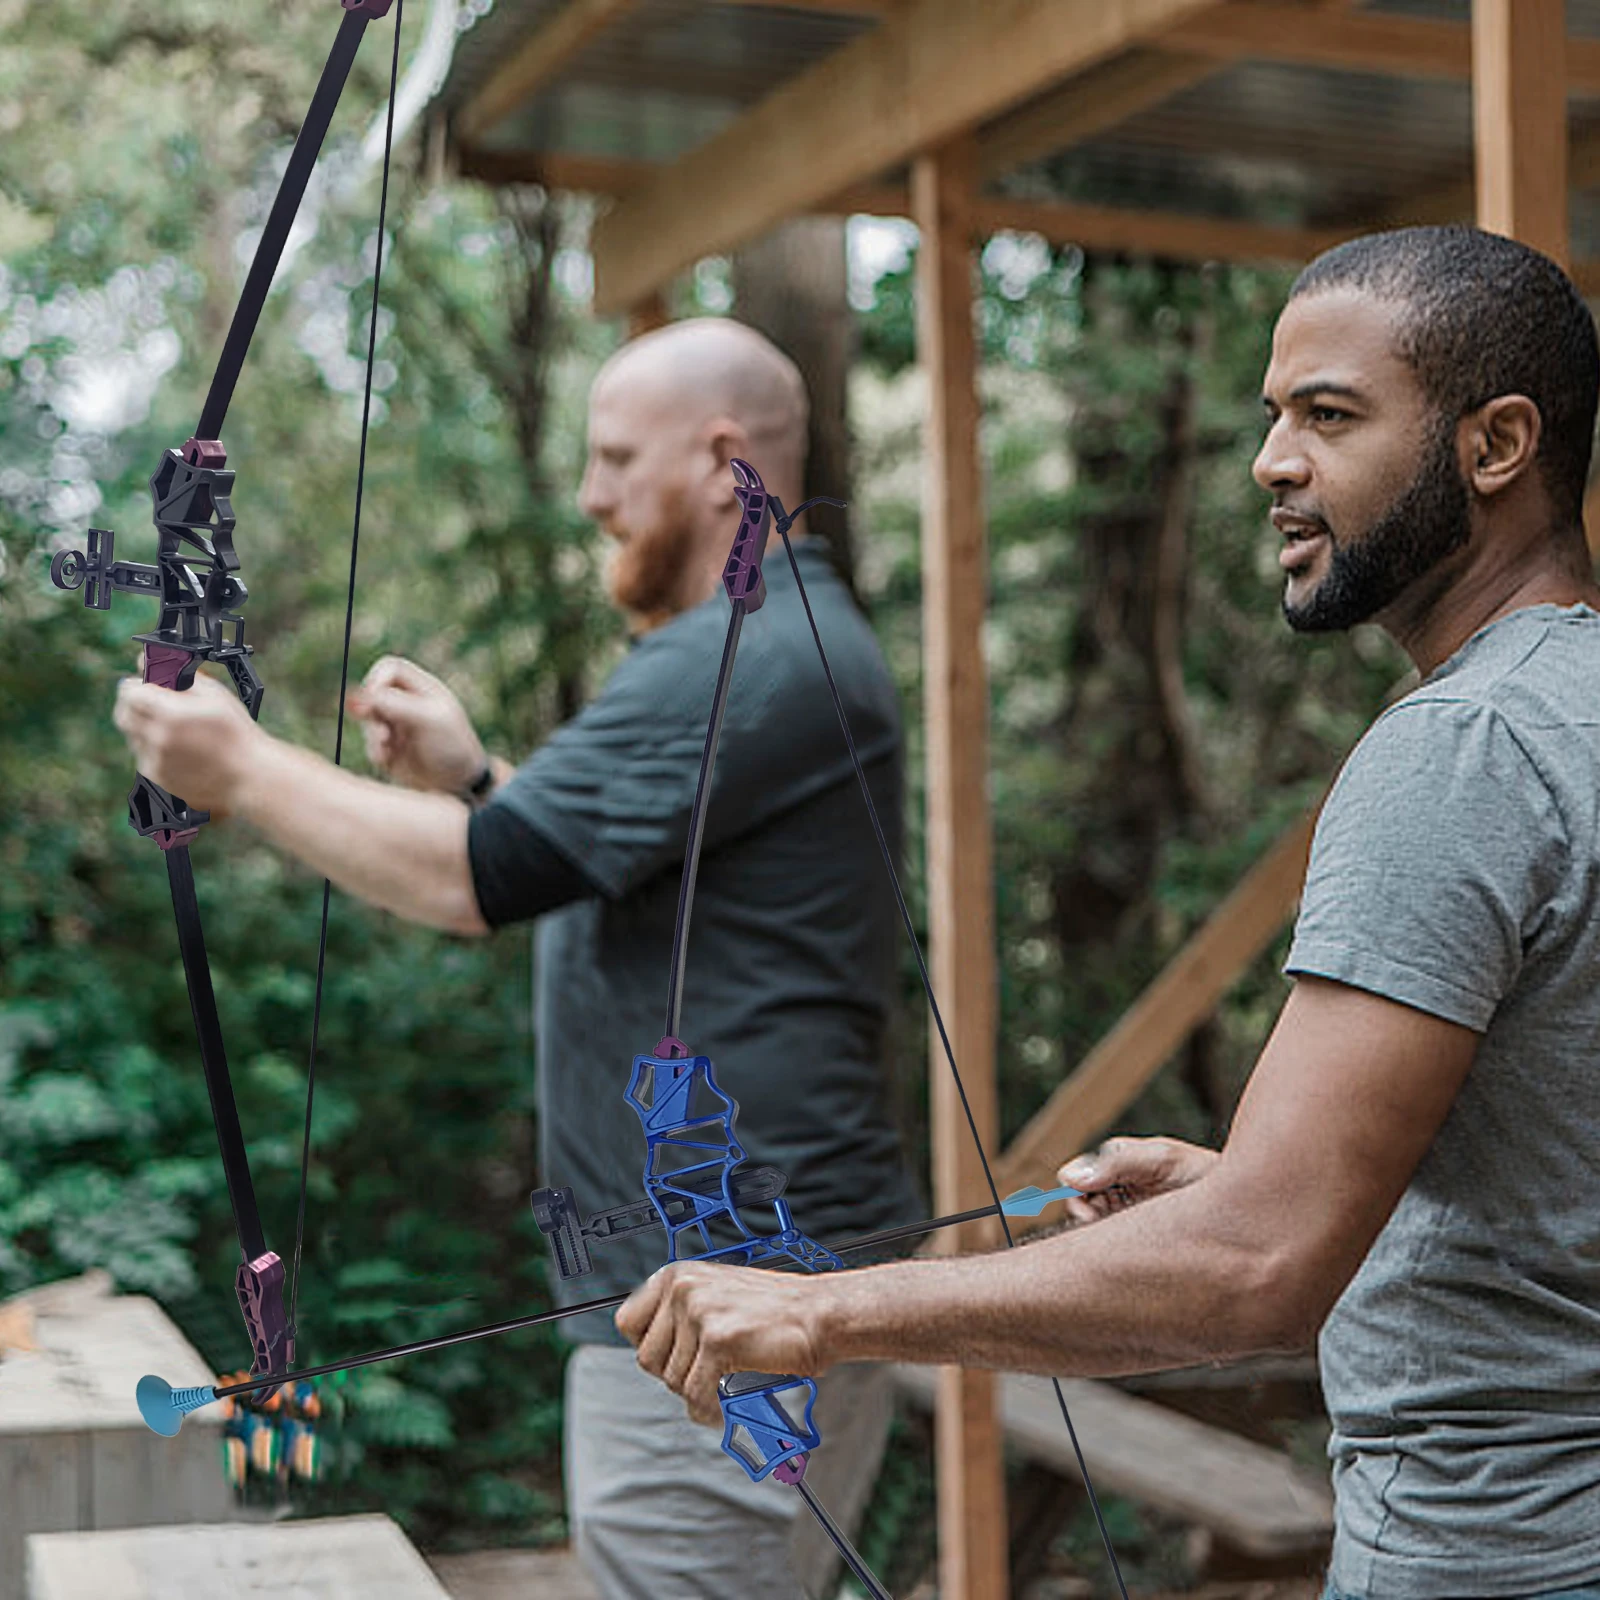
x: 1255, y: 1499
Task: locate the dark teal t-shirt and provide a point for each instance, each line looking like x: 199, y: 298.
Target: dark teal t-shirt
x: 790, y: 970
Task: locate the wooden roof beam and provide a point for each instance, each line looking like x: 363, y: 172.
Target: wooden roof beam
x: 1111, y: 228
x: 535, y: 62
x: 930, y: 71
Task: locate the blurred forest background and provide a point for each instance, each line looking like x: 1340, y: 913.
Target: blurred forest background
x: 1154, y: 723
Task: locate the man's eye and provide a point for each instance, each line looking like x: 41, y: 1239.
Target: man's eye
x: 1329, y: 414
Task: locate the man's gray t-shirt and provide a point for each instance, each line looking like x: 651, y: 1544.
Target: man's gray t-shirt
x: 791, y: 959
x: 1455, y: 870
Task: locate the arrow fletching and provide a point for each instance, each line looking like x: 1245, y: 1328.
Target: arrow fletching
x: 1031, y: 1201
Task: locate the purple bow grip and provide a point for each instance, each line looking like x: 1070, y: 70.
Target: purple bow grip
x: 742, y: 575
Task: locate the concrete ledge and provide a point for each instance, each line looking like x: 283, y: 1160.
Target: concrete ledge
x: 331, y: 1558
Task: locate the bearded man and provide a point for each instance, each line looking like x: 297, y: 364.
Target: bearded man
x: 790, y: 968
x: 1412, y: 1169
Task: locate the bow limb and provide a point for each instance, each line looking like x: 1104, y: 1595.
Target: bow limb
x: 195, y: 577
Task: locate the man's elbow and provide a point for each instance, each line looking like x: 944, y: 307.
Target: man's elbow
x: 1286, y: 1299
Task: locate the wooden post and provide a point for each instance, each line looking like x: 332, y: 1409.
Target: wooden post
x: 972, y: 1519
x: 1519, y: 115
x: 648, y: 315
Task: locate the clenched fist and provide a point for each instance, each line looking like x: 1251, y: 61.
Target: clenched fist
x: 416, y: 731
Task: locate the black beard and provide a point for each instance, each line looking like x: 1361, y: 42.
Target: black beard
x: 1429, y: 521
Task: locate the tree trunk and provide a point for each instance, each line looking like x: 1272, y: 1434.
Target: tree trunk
x: 791, y: 285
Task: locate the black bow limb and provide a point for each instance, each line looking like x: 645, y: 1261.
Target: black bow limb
x: 195, y: 577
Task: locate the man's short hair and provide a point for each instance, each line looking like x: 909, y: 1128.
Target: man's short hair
x: 1482, y: 316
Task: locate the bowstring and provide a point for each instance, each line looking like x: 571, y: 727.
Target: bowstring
x: 344, y: 665
x: 782, y: 524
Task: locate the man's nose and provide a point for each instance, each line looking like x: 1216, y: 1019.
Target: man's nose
x: 1280, y: 463
x: 592, y: 497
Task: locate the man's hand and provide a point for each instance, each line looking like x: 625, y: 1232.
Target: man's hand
x: 1122, y: 1172
x: 694, y: 1323
x: 416, y: 731
x: 198, y: 745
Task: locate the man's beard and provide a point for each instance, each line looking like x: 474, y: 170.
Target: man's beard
x: 1428, y: 522
x: 645, y: 575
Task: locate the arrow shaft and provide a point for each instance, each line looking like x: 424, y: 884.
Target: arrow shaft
x: 490, y: 1330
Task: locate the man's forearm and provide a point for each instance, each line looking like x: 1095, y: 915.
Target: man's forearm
x: 1160, y: 1286
x: 398, y: 849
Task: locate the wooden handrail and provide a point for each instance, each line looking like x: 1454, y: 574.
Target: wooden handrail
x: 1184, y: 994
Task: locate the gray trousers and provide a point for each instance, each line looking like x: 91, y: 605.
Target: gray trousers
x: 658, y: 1512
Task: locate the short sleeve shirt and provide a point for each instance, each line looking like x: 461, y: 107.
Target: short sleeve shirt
x: 790, y: 968
x: 1455, y: 870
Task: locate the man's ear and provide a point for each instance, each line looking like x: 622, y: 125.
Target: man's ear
x: 1501, y: 440
x: 726, y: 440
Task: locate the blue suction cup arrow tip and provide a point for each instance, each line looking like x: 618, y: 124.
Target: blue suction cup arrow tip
x: 163, y: 1407
x: 1030, y: 1202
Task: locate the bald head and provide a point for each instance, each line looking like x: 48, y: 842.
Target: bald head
x: 711, y: 369
x: 667, y: 414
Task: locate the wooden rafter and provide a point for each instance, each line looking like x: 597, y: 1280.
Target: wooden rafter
x: 936, y: 68
x: 1110, y: 228
x: 535, y: 62
x: 1087, y: 105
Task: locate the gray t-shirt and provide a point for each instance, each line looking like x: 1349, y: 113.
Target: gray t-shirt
x: 1455, y: 870
x: 790, y: 969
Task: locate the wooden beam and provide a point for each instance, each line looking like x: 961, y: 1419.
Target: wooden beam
x: 650, y: 313
x: 1157, y: 233
x: 1337, y: 36
x: 1409, y: 47
x: 1182, y: 997
x: 1087, y: 105
x: 960, y: 874
x: 1519, y: 120
x: 927, y: 73
x: 535, y: 62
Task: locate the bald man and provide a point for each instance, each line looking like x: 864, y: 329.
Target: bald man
x: 791, y: 960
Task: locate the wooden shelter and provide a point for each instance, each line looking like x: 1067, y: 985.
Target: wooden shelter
x: 1189, y: 129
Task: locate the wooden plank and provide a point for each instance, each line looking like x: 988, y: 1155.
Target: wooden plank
x: 937, y: 68
x: 74, y: 1452
x: 1185, y: 993
x: 1519, y: 120
x: 1411, y: 47
x: 955, y: 584
x: 1115, y: 228
x: 1160, y: 233
x: 1087, y: 105
x: 327, y: 1558
x: 1255, y: 1498
x: 535, y: 62
x: 650, y: 313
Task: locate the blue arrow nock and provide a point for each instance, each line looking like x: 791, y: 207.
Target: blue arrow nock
x: 766, y: 1423
x: 164, y: 1408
